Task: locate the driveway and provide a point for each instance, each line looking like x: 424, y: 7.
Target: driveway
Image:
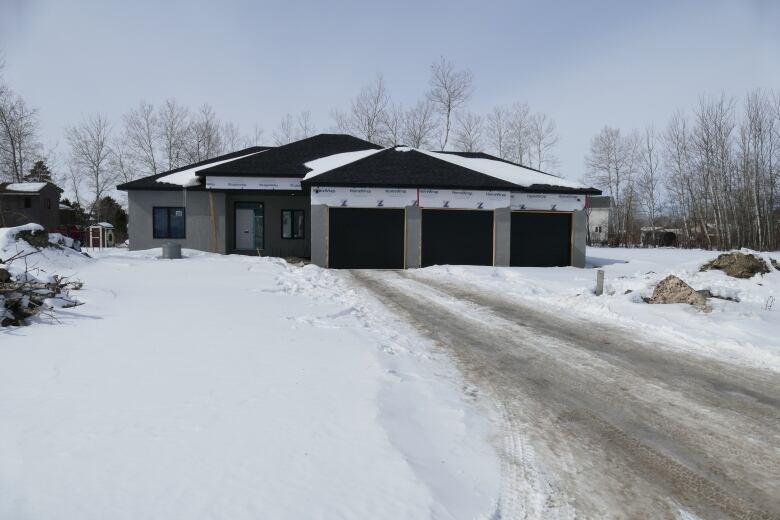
x: 598, y: 423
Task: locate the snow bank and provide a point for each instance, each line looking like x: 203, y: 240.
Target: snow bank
x: 744, y: 331
x: 187, y: 178
x: 331, y: 162
x: 61, y: 259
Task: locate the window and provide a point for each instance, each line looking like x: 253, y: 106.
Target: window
x: 28, y: 202
x: 293, y: 223
x: 168, y: 222
x: 598, y: 229
x: 47, y: 203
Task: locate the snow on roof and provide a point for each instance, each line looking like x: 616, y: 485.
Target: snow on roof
x: 25, y: 187
x: 331, y: 162
x: 505, y: 171
x: 106, y: 225
x: 187, y: 178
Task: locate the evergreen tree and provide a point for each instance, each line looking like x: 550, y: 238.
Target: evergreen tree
x: 38, y: 173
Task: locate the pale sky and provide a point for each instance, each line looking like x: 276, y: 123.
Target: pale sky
x: 587, y: 64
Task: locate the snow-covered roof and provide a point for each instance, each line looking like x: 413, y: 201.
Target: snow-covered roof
x: 187, y: 178
x: 106, y: 225
x: 330, y: 162
x: 25, y: 187
x: 506, y: 171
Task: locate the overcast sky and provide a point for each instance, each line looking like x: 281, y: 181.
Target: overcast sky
x: 587, y: 64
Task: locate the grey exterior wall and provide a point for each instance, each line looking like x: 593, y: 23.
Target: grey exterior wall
x: 319, y: 235
x: 503, y: 234
x: 273, y: 205
x: 13, y: 212
x: 198, y: 234
x: 579, y: 237
x: 413, y: 237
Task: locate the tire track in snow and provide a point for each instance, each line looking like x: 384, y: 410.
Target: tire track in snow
x: 577, y: 408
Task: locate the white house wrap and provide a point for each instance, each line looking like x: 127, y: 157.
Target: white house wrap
x: 252, y: 183
x: 548, y: 201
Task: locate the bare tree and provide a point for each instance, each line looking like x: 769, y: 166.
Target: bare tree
x: 420, y: 125
x: 610, y: 165
x: 204, y: 135
x: 468, y: 133
x: 232, y: 138
x: 141, y: 136
x: 256, y: 139
x: 305, y: 126
x: 367, y: 113
x: 393, y: 125
x: 450, y: 90
x: 91, y: 154
x: 19, y: 144
x: 649, y: 179
x: 519, y: 144
x: 172, y: 119
x: 543, y: 138
x: 294, y: 129
x: 498, y: 131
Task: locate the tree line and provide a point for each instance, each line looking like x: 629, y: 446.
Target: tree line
x: 152, y: 139
x: 712, y: 176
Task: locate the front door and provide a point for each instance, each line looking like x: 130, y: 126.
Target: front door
x: 249, y: 226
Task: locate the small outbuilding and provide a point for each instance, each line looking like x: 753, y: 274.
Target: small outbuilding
x: 26, y: 202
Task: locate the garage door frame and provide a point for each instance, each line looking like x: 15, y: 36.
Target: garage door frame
x: 406, y: 223
x: 491, y: 211
x: 571, y: 228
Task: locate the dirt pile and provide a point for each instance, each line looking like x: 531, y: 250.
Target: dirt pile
x: 738, y: 265
x: 673, y: 290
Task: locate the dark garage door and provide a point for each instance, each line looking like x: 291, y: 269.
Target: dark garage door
x: 457, y: 237
x: 366, y: 238
x: 540, y: 239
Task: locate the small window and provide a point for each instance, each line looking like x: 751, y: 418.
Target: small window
x: 168, y: 223
x: 47, y: 203
x: 598, y: 229
x: 28, y: 202
x: 293, y: 223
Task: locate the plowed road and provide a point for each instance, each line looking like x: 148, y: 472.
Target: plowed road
x: 599, y: 424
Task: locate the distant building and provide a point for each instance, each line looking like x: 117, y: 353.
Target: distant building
x: 599, y: 218
x: 25, y: 202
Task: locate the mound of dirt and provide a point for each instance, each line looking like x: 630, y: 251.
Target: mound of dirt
x: 738, y: 265
x: 673, y: 290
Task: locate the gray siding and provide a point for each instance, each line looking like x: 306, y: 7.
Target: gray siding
x: 319, y: 235
x: 413, y: 236
x: 273, y: 205
x: 579, y: 237
x: 503, y: 235
x: 198, y: 220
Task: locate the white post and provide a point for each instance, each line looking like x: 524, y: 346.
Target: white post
x: 599, y: 282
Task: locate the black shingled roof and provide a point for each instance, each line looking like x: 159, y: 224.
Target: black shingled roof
x: 413, y: 169
x: 150, y: 182
x: 288, y: 160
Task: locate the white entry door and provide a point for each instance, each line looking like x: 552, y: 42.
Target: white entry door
x: 245, y: 228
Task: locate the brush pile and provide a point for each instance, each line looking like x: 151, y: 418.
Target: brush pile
x: 26, y: 288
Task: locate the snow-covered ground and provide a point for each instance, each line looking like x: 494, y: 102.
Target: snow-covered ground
x: 745, y: 332
x: 233, y: 387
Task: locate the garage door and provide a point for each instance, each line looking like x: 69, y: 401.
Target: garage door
x: 457, y: 237
x: 540, y: 239
x: 366, y: 238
